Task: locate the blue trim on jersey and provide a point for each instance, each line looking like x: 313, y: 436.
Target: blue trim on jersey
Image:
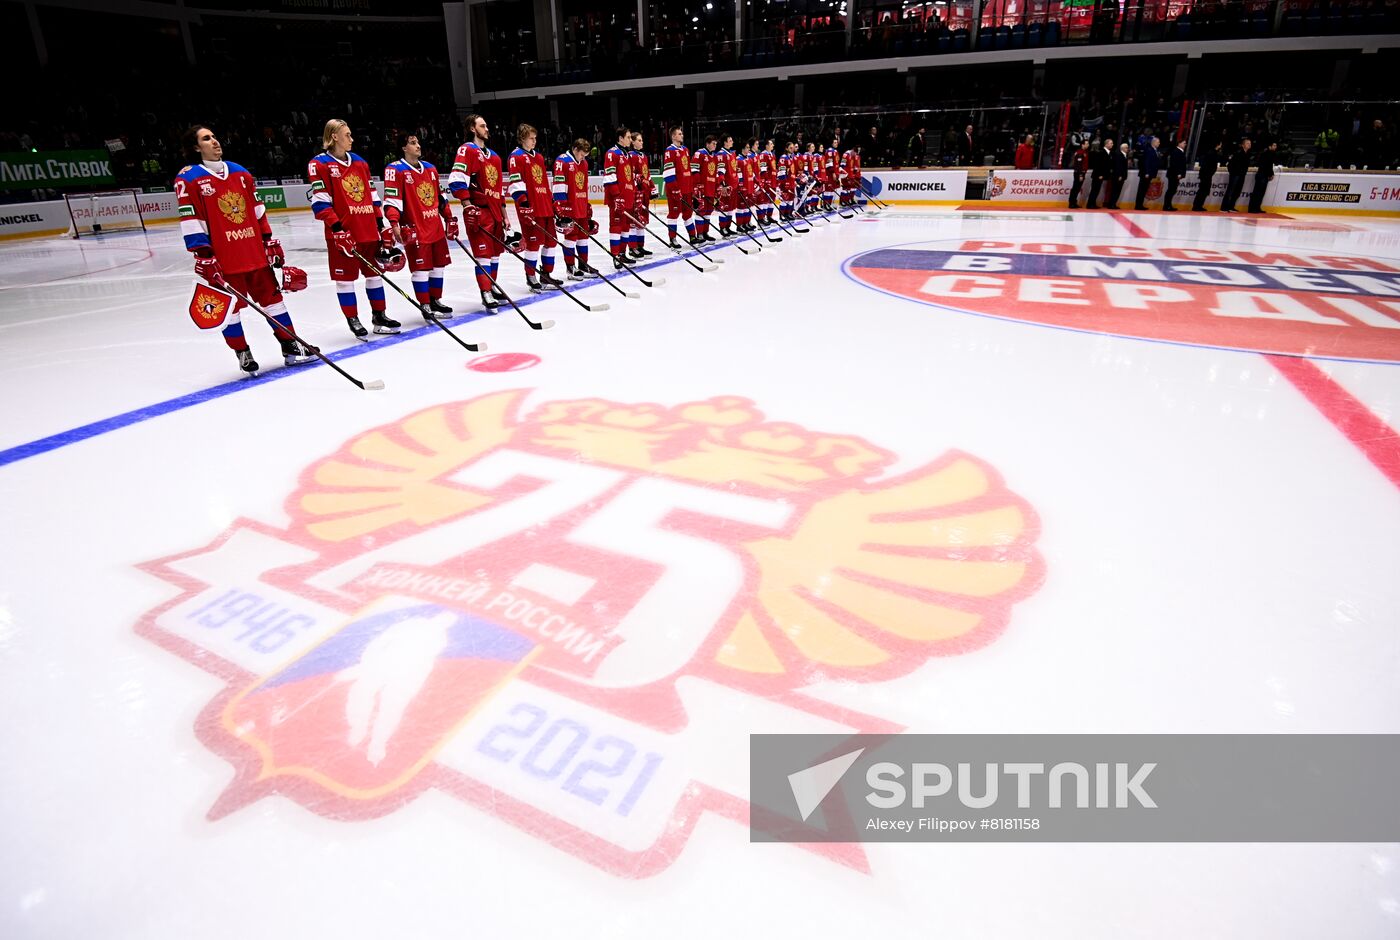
x: 405, y: 165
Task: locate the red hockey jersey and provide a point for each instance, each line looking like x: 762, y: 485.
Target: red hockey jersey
x: 477, y: 178
x: 412, y: 197
x: 224, y: 214
x: 528, y: 180
x: 341, y: 191
x: 618, y: 178
x: 676, y: 170
x: 571, y: 186
x: 707, y: 169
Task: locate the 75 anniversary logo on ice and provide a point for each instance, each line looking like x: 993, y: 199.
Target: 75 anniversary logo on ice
x: 572, y: 616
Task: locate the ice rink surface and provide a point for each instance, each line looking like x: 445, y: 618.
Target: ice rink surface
x: 478, y: 654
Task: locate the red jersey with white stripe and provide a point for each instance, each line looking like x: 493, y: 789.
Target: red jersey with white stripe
x: 641, y: 169
x: 412, y: 197
x: 707, y: 168
x: 341, y: 191
x: 224, y: 214
x: 528, y: 179
x: 787, y: 169
x: 676, y: 169
x: 728, y: 167
x: 767, y: 168
x: 571, y: 185
x: 477, y: 178
x: 851, y: 164
x: 618, y: 176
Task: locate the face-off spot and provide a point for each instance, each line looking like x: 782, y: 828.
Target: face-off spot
x: 504, y: 362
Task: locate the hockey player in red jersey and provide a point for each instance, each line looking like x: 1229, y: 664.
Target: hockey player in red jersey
x: 529, y: 182
x: 641, y: 175
x: 478, y: 183
x: 422, y: 222
x: 573, y: 212
x: 676, y: 175
x: 767, y: 182
x: 727, y: 189
x: 705, y: 174
x: 225, y: 227
x: 815, y: 176
x: 620, y: 194
x: 344, y: 201
x: 787, y: 174
x: 831, y: 173
x: 747, y: 185
x: 851, y: 187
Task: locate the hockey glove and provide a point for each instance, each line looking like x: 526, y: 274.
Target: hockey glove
x: 345, y: 242
x: 206, y: 267
x: 276, y: 257
x: 293, y: 279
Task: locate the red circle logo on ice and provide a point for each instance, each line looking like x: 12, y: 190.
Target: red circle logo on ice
x: 503, y: 362
x: 1298, y: 300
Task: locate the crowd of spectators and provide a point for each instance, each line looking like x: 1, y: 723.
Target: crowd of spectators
x: 678, y: 45
x: 275, y: 140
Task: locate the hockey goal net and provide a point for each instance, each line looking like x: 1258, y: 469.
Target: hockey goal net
x: 117, y: 210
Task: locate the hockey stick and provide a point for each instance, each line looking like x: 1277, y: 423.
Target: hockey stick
x: 695, y: 208
x: 735, y: 236
x: 788, y: 226
x: 625, y: 266
x: 763, y: 228
x: 624, y: 293
x: 591, y: 308
x: 679, y: 252
x: 542, y: 325
x: 371, y: 385
x: 749, y: 234
x: 802, y: 201
x: 871, y: 196
x: 469, y: 347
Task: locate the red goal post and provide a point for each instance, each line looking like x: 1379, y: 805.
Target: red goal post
x: 116, y: 210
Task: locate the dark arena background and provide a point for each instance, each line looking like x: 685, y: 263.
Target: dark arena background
x: 439, y: 435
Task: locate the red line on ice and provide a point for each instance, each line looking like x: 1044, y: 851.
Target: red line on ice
x: 1357, y: 423
x: 1136, y: 230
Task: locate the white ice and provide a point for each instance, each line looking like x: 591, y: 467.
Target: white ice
x: 1218, y: 557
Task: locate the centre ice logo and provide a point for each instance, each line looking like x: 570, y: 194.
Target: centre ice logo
x: 1289, y: 300
x: 562, y: 617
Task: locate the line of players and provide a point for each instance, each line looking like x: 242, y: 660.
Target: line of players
x: 225, y: 227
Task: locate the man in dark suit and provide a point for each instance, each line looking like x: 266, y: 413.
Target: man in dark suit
x: 1148, y: 168
x: 1118, y: 175
x: 966, y: 146
x: 1101, y: 165
x: 1210, y: 162
x: 1176, y: 169
x: 1262, y: 177
x: 873, y: 151
x: 917, y: 150
x: 1238, y: 167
